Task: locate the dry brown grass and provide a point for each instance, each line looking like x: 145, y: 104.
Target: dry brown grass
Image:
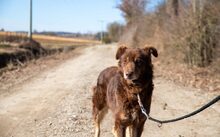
x: 15, y: 46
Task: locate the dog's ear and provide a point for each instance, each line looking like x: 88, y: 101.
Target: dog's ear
x: 151, y: 50
x: 120, y: 52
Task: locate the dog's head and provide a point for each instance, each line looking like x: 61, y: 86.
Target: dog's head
x: 135, y: 63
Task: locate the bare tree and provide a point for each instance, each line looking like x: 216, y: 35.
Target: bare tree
x: 172, y: 7
x: 115, y: 31
x: 175, y: 5
x: 132, y: 9
x: 134, y: 12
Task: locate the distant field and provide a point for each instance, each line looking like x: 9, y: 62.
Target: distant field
x: 54, y: 41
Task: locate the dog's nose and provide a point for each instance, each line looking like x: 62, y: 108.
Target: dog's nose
x: 129, y: 74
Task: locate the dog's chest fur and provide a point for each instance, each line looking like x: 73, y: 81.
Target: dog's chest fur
x: 130, y: 108
x: 123, y: 101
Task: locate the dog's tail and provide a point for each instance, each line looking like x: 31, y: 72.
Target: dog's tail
x: 99, y: 97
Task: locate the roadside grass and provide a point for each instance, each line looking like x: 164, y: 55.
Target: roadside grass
x: 12, y: 53
x: 5, y: 45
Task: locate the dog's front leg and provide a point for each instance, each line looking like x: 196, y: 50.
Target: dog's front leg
x: 132, y: 131
x: 140, y: 127
x: 136, y: 129
x: 119, y: 130
x: 129, y: 131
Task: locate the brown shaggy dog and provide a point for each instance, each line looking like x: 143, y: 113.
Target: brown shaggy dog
x: 117, y: 89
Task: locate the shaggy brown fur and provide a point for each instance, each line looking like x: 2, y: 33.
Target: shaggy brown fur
x: 117, y: 89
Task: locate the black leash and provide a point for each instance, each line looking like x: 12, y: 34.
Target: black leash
x: 216, y: 99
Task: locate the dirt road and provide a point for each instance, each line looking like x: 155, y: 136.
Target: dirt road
x: 57, y: 102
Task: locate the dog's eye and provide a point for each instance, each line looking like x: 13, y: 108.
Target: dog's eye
x: 124, y: 61
x: 139, y: 62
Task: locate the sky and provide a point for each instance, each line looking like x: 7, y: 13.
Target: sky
x: 61, y: 15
